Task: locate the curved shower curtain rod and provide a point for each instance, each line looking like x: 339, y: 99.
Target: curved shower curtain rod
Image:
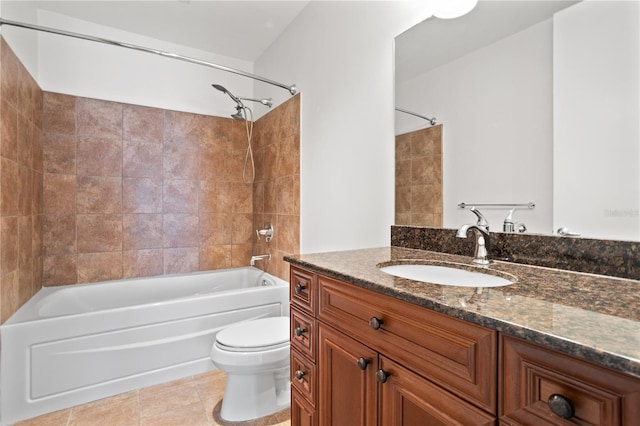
x: 292, y: 89
x: 430, y: 120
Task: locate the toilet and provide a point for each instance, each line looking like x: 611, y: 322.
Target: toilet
x: 255, y: 356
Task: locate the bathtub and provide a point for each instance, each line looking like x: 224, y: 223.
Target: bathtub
x: 73, y: 344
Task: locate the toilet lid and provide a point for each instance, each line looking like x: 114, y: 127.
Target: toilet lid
x: 258, y: 333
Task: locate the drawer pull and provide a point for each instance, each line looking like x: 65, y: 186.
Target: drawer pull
x: 362, y: 363
x: 299, y: 331
x: 561, y: 406
x: 300, y: 288
x: 382, y: 376
x: 375, y: 323
x: 299, y: 374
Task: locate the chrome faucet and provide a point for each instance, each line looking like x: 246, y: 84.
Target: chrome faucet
x: 482, y: 242
x: 259, y: 257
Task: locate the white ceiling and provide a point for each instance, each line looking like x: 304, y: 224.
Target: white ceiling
x: 435, y: 42
x: 239, y: 29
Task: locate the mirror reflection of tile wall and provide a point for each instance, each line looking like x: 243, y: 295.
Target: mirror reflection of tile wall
x: 419, y: 178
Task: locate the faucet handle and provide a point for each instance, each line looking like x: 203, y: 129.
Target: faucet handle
x: 482, y: 221
x: 267, y: 232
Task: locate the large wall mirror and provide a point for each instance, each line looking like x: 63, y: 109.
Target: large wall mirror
x: 537, y: 103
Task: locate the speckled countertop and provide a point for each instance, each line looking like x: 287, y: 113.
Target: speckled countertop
x: 593, y: 317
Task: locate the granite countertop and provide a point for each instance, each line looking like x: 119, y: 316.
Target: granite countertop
x: 593, y: 317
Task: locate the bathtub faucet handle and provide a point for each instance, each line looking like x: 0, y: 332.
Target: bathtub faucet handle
x: 260, y: 257
x: 267, y: 231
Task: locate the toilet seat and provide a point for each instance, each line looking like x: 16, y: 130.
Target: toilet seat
x: 255, y: 335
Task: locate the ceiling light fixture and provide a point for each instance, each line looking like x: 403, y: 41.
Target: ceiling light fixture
x: 449, y: 9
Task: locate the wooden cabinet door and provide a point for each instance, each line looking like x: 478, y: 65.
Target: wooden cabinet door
x: 346, y: 380
x: 408, y: 399
x: 302, y: 413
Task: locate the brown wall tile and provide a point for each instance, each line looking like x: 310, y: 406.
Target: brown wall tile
x: 59, y: 194
x: 180, y: 230
x: 98, y: 195
x: 59, y: 113
x: 142, y: 158
x: 21, y: 187
x: 141, y: 231
x: 93, y: 267
x: 142, y: 123
x: 59, y: 153
x: 99, y: 233
x: 8, y: 244
x: 9, y: 135
x: 141, y: 195
x: 141, y: 263
x: 99, y: 119
x: 60, y: 269
x: 180, y: 196
x: 216, y: 257
x: 59, y: 234
x: 25, y: 191
x: 99, y: 157
x: 181, y: 260
x: 10, y: 69
x: 8, y: 187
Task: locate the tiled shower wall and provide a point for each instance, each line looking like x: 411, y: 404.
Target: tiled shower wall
x: 419, y: 178
x: 276, y: 195
x: 20, y: 184
x: 133, y: 191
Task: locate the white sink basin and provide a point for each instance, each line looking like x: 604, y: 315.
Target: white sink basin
x: 445, y: 275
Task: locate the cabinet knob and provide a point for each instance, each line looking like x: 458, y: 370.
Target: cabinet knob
x: 300, y: 288
x: 362, y: 363
x: 375, y: 323
x: 561, y: 406
x: 299, y: 374
x: 299, y: 331
x: 382, y: 376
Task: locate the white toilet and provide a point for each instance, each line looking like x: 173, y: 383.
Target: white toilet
x: 255, y: 356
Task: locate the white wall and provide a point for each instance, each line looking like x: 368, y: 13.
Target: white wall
x: 85, y: 68
x: 340, y: 54
x: 24, y: 43
x: 495, y: 106
x: 596, y: 111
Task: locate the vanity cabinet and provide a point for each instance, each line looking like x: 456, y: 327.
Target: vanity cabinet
x: 380, y: 360
x: 360, y: 357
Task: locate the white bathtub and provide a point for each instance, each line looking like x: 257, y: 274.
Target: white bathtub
x: 74, y: 344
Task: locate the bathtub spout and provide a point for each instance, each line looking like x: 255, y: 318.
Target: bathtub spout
x: 259, y: 257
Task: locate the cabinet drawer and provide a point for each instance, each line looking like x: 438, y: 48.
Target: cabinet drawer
x: 455, y: 354
x: 302, y: 290
x: 595, y: 395
x: 303, y: 333
x: 303, y: 376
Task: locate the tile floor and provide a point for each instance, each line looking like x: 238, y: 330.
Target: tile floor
x: 193, y: 401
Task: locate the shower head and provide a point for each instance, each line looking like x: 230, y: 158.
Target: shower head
x: 223, y: 90
x: 239, y: 115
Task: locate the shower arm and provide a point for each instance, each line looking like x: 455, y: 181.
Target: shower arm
x: 432, y: 120
x: 292, y: 89
x: 266, y: 102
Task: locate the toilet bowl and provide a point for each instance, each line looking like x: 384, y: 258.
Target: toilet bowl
x: 255, y: 356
